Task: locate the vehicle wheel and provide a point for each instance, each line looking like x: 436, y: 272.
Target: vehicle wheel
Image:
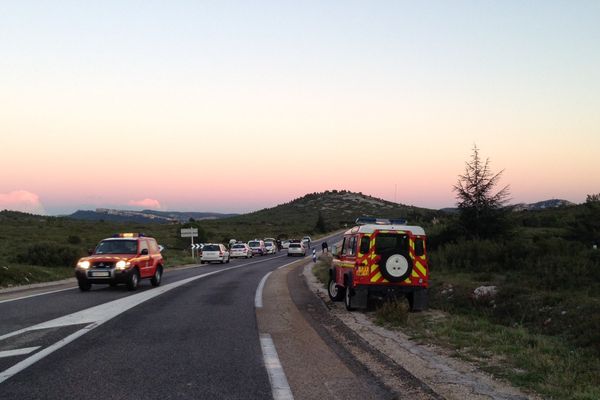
x: 348, y: 299
x: 336, y: 293
x: 84, y: 285
x: 134, y: 280
x: 155, y: 280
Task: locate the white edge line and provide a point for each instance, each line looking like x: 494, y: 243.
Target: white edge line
x: 279, y: 384
x: 37, y: 294
x: 258, y: 303
x: 18, y: 352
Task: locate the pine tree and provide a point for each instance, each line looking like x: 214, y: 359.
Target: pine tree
x: 481, y: 209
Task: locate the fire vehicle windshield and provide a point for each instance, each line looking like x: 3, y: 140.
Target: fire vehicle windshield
x: 117, y: 247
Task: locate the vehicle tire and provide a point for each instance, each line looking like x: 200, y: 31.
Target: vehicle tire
x: 395, y: 267
x: 335, y: 292
x: 155, y: 280
x: 134, y: 280
x: 84, y: 285
x: 348, y: 299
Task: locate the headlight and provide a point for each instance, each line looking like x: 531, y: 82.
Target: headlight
x: 122, y: 264
x: 83, y: 264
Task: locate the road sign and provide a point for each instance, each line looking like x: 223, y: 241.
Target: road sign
x: 195, y: 246
x: 189, y: 232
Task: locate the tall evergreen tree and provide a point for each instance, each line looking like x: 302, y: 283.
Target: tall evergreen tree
x: 481, y: 208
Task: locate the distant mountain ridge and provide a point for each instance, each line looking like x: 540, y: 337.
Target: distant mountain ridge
x: 144, y: 216
x: 540, y: 205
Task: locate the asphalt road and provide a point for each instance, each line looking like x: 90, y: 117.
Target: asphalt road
x: 194, y: 337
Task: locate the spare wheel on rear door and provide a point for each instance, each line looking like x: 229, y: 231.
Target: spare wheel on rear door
x: 395, y: 267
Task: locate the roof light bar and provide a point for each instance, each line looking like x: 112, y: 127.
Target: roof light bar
x: 380, y: 221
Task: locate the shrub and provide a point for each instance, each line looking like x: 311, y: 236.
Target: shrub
x: 49, y: 255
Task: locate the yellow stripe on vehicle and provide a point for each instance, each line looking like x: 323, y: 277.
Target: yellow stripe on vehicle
x: 421, y: 268
x: 376, y: 277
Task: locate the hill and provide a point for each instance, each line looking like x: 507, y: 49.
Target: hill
x: 298, y: 217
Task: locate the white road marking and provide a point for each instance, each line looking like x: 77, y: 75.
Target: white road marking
x: 94, y: 317
x: 258, y: 303
x: 279, y: 384
x: 37, y: 294
x: 18, y: 352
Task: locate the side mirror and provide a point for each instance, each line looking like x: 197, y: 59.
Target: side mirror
x: 144, y: 252
x: 90, y: 252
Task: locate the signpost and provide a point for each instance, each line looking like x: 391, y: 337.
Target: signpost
x: 191, y: 233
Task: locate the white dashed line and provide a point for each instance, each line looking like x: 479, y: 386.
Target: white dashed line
x: 279, y: 384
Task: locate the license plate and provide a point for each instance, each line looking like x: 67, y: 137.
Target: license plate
x: 99, y: 273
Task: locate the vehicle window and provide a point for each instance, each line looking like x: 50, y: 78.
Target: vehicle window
x: 295, y: 245
x: 344, y: 246
x: 365, y: 242
x: 211, y: 247
x: 419, y: 247
x: 238, y: 246
x: 386, y: 243
x: 144, y: 245
x: 352, y: 246
x: 117, y: 247
x: 254, y: 244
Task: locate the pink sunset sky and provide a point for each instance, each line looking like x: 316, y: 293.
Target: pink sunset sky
x: 237, y: 107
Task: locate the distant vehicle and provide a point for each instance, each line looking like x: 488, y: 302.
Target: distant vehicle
x: 258, y: 247
x: 271, y: 247
x: 285, y: 243
x: 306, y: 241
x: 240, y: 250
x: 296, y: 249
x: 214, y: 252
x: 269, y: 240
x: 125, y: 258
x: 380, y: 258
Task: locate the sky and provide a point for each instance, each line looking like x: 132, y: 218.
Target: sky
x: 235, y: 106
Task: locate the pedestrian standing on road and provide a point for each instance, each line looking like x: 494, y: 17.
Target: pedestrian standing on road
x: 324, y: 247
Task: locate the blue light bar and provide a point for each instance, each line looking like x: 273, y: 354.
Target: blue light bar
x: 380, y: 221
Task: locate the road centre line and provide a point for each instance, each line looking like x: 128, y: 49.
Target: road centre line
x: 18, y: 352
x: 93, y: 317
x: 279, y: 384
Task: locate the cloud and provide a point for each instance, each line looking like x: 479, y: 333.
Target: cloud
x: 21, y: 200
x: 146, y: 203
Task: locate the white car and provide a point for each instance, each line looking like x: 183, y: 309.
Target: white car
x: 271, y: 247
x: 296, y: 249
x: 240, y: 250
x: 285, y: 244
x: 214, y: 252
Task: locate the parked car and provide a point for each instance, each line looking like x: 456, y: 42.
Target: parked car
x: 306, y: 241
x: 124, y: 258
x: 240, y: 250
x: 285, y: 243
x: 380, y: 258
x: 258, y: 247
x: 296, y: 249
x: 214, y: 252
x: 271, y: 247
